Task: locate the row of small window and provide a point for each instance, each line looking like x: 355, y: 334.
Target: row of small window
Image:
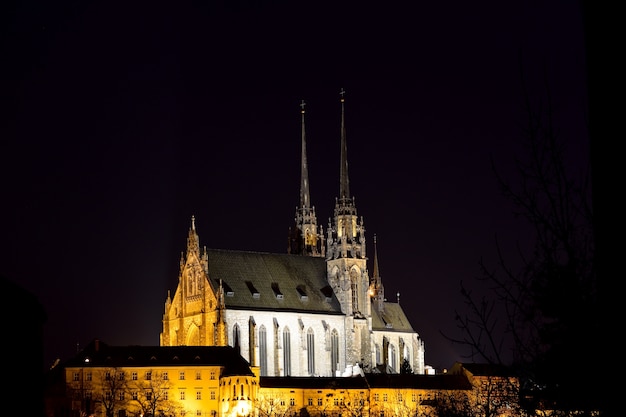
x: 134, y: 395
x: 336, y: 401
x: 134, y: 376
x: 399, y: 397
x: 340, y: 401
x: 124, y: 413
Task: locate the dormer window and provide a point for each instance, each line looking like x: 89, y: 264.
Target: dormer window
x: 255, y: 293
x: 277, y: 292
x: 227, y: 289
x: 328, y: 293
x: 302, y: 292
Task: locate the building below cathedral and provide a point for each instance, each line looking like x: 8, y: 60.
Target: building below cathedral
x: 212, y: 381
x: 313, y: 311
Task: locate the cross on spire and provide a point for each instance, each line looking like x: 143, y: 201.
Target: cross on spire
x: 302, y: 104
x: 342, y: 93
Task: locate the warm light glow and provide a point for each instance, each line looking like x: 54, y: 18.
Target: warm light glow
x: 242, y: 408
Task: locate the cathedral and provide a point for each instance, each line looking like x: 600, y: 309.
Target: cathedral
x: 313, y: 311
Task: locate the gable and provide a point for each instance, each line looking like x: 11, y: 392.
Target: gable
x: 392, y: 319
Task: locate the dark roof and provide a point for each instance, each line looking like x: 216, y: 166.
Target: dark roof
x: 414, y: 381
x: 99, y: 354
x: 354, y: 382
x: 272, y: 282
x: 484, y: 369
x: 418, y: 381
x: 392, y: 319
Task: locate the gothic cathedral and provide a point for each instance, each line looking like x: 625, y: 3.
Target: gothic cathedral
x: 313, y: 311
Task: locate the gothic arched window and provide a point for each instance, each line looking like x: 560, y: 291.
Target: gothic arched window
x: 263, y: 350
x: 354, y: 286
x: 334, y: 351
x: 287, y: 352
x: 310, y: 350
x: 236, y: 337
x: 251, y: 340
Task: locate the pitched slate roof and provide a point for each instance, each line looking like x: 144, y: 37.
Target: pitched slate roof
x: 356, y: 382
x: 392, y: 319
x: 482, y: 369
x: 99, y: 354
x: 418, y: 381
x: 414, y: 381
x: 272, y: 282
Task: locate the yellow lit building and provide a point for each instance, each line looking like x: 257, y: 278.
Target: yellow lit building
x: 495, y: 392
x: 120, y: 381
x: 216, y: 381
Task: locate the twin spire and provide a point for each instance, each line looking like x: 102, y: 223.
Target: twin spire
x: 345, y: 236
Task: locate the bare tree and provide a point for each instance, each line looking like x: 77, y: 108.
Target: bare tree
x: 273, y: 404
x: 152, y: 394
x: 353, y: 403
x: 80, y: 392
x: 494, y: 396
x: 540, y: 307
x: 112, y: 390
x: 401, y: 404
x: 449, y: 404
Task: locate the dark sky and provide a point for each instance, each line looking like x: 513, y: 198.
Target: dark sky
x: 121, y: 121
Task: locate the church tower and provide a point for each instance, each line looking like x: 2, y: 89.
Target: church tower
x: 347, y: 263
x: 304, y: 238
x: 195, y: 315
x: 377, y: 291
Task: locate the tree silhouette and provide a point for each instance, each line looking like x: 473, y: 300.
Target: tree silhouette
x: 405, y: 367
x: 112, y: 392
x: 540, y: 307
x: 151, y: 394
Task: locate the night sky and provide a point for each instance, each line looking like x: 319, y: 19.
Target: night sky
x: 121, y: 121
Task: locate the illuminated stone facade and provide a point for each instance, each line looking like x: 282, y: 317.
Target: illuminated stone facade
x: 313, y: 311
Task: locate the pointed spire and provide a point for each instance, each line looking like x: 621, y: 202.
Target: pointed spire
x: 376, y: 275
x: 344, y: 189
x: 222, y: 337
x: 193, y: 242
x: 304, y: 170
x: 347, y: 236
x: 377, y: 291
x: 304, y: 238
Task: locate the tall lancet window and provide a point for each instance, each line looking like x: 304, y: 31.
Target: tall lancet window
x: 310, y: 351
x: 236, y: 338
x: 393, y: 359
x: 354, y: 285
x: 378, y: 358
x: 334, y: 351
x: 287, y: 352
x: 263, y: 350
x: 252, y: 340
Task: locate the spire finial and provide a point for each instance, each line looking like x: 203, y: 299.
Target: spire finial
x: 304, y: 170
x: 193, y: 222
x: 344, y: 189
x: 376, y: 275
